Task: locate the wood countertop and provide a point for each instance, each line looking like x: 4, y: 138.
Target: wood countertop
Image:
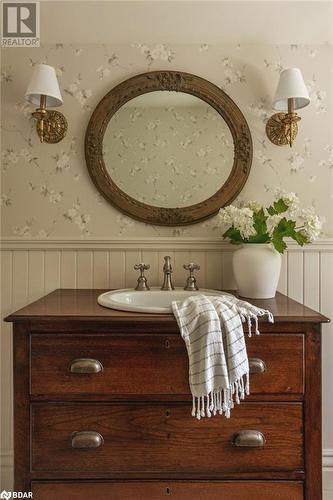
x: 81, y: 304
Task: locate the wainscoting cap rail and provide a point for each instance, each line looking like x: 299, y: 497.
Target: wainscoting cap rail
x: 152, y: 243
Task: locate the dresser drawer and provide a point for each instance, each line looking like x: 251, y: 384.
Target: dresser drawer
x: 149, y: 364
x: 131, y: 364
x: 180, y: 490
x: 159, y: 438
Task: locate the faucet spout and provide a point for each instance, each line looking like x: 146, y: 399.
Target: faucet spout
x: 167, y: 270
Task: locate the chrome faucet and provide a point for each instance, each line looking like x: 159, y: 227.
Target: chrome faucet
x: 167, y: 270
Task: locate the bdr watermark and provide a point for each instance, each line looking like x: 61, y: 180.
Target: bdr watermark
x: 15, y: 494
x: 20, y: 24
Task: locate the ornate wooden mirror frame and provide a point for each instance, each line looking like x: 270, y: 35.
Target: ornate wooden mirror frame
x: 180, y: 82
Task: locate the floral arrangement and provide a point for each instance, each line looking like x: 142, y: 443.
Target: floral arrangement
x: 253, y: 223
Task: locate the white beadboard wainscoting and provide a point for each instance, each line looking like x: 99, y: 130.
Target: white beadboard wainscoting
x: 32, y: 268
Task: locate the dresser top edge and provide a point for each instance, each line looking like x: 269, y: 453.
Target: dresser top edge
x: 81, y: 305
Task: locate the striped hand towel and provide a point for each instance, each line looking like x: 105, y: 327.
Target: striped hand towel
x: 212, y: 329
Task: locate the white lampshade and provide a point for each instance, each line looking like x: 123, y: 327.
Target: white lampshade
x: 291, y: 85
x: 44, y: 82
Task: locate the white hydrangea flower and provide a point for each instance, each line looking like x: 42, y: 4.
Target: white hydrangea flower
x: 272, y: 222
x: 239, y: 218
x: 253, y: 205
x: 290, y: 199
x: 226, y: 214
x: 312, y: 224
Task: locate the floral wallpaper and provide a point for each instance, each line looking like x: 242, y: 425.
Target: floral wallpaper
x: 46, y: 189
x: 172, y: 154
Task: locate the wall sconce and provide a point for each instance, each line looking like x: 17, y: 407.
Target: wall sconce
x: 291, y: 94
x: 43, y: 91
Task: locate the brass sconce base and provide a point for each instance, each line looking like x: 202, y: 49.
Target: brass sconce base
x: 282, y: 128
x: 51, y: 126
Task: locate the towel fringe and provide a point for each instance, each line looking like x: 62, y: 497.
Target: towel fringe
x: 221, y: 401
x: 248, y: 316
x: 202, y: 412
x: 247, y: 384
x: 193, y: 406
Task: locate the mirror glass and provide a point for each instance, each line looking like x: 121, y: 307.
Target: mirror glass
x: 168, y: 149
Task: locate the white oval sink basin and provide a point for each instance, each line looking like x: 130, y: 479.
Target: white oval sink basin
x: 153, y: 301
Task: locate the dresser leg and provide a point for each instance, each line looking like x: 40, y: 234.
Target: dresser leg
x: 21, y: 408
x: 312, y: 414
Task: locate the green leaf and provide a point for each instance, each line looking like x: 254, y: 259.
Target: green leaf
x: 281, y: 230
x: 285, y: 228
x: 259, y: 238
x: 278, y: 242
x: 234, y: 235
x: 259, y: 222
x: 300, y: 238
x: 280, y: 206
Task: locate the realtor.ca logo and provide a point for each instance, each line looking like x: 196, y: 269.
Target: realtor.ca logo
x: 20, y: 24
x: 15, y: 494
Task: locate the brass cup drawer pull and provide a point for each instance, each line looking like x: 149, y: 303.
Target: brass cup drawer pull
x: 257, y: 365
x: 249, y: 439
x: 87, y: 439
x: 86, y: 365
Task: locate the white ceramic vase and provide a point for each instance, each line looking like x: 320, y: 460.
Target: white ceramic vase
x: 256, y: 269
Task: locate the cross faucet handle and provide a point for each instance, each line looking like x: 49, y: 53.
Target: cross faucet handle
x: 191, y: 267
x: 142, y: 280
x: 191, y: 282
x: 142, y: 267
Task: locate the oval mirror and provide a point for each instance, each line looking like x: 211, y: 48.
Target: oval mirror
x: 168, y: 148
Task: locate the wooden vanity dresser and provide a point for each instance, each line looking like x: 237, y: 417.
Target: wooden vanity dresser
x: 103, y: 407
